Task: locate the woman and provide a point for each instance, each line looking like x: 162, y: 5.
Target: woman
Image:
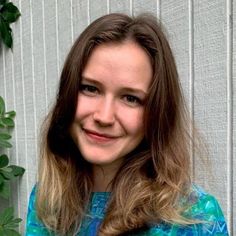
x: 114, y: 156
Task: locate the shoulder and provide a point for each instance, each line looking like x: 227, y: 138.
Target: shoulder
x: 202, y: 207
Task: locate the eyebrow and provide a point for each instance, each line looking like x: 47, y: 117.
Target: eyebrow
x: 128, y: 89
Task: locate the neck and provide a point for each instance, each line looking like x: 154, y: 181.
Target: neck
x: 102, y: 177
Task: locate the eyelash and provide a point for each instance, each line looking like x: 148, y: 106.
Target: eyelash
x: 88, y: 89
x: 132, y: 99
x: 92, y: 90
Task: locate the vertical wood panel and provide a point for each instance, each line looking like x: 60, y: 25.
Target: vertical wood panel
x: 140, y: 6
x: 64, y: 29
x: 9, y: 100
x: 97, y: 8
x: 210, y: 88
x: 51, y: 49
x: 175, y: 18
x: 3, y: 84
x: 233, y: 19
x: 122, y: 6
x: 38, y: 67
x: 28, y: 158
x: 80, y: 16
x: 20, y: 144
x: 229, y: 114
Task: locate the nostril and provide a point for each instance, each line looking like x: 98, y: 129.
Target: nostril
x: 104, y: 118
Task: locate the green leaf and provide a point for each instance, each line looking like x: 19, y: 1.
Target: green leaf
x: 5, y: 136
x: 11, y: 114
x: 7, y: 173
x: 10, y: 12
x: 12, y: 224
x: 9, y: 122
x: 17, y: 170
x: 5, y: 32
x: 6, y: 216
x: 2, y: 106
x: 4, y: 161
x: 4, y: 191
x: 9, y: 232
x: 5, y: 144
x: 1, y: 181
x: 16, y: 220
x: 3, y: 2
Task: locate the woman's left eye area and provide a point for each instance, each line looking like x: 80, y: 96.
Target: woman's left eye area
x: 88, y: 89
x: 132, y: 99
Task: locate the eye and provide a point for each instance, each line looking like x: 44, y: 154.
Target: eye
x: 132, y: 100
x: 88, y: 89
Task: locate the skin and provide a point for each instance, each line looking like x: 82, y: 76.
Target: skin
x: 108, y: 122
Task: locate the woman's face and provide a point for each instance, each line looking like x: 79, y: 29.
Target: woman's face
x: 108, y: 123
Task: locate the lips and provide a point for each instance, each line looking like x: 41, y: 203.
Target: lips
x: 99, y: 137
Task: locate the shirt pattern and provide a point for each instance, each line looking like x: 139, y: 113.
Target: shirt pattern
x: 203, y: 207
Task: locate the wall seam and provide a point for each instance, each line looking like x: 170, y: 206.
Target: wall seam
x: 159, y: 10
x: 108, y: 6
x: 33, y: 76
x: 71, y: 21
x: 15, y: 130
x: 24, y: 108
x: 44, y: 56
x: 131, y: 7
x: 229, y: 115
x: 88, y: 12
x: 57, y: 39
x: 191, y: 83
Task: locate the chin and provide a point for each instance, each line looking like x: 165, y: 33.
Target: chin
x: 101, y: 159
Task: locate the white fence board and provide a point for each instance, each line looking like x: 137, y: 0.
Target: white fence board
x: 97, y: 8
x: 210, y: 89
x: 122, y: 6
x: 233, y: 18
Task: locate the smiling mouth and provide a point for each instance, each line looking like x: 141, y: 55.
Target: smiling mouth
x: 99, y: 137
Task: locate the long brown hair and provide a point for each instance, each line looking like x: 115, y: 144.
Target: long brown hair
x: 153, y: 178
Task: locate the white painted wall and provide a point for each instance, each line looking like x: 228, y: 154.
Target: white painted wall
x: 203, y: 37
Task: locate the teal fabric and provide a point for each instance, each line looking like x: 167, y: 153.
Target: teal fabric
x: 203, y: 207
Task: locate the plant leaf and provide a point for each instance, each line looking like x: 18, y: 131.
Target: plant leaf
x: 16, y: 220
x: 2, y: 2
x: 9, y: 122
x: 9, y: 232
x: 10, y: 12
x: 4, y: 161
x: 5, y: 32
x: 1, y: 181
x: 17, y: 170
x: 5, y: 144
x: 5, y: 190
x: 6, y: 216
x: 10, y: 114
x: 2, y: 105
x: 5, y: 136
x: 7, y: 173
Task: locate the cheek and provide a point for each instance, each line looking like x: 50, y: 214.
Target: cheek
x: 133, y: 122
x: 84, y: 107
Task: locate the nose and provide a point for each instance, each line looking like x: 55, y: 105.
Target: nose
x: 105, y: 112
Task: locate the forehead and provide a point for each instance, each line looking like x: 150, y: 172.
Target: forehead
x: 126, y: 63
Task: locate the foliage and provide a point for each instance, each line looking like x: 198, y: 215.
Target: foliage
x: 7, y: 172
x: 9, y: 13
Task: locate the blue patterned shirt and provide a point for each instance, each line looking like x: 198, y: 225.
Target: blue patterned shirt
x: 203, y: 207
